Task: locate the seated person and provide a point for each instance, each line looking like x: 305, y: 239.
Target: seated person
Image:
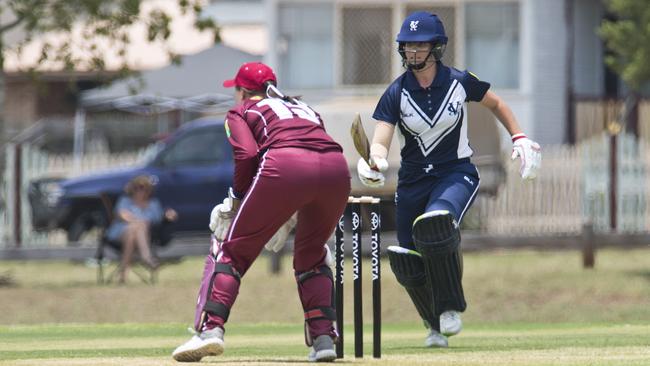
x: 135, y: 214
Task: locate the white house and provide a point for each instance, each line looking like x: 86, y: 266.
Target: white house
x: 341, y: 54
x: 345, y: 50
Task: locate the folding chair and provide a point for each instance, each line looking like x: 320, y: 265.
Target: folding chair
x: 160, y: 236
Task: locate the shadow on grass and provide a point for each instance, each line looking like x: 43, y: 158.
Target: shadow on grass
x: 279, y: 361
x: 416, y: 348
x: 642, y: 274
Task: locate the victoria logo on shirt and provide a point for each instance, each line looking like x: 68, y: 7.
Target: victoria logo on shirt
x: 453, y: 108
x: 414, y: 25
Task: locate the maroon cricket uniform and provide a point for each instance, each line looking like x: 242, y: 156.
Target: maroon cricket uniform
x: 285, y: 162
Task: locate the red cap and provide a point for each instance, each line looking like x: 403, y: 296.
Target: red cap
x: 251, y: 76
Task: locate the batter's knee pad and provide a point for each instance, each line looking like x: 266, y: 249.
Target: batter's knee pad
x: 409, y: 271
x: 437, y: 238
x: 204, y: 304
x: 306, y: 292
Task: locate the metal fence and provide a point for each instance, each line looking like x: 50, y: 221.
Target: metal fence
x: 548, y: 204
x: 574, y: 187
x: 25, y: 163
x: 594, y: 116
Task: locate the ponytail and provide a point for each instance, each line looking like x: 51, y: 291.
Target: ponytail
x: 272, y: 91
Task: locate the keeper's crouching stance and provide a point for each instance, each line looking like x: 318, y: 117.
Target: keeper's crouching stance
x: 288, y: 171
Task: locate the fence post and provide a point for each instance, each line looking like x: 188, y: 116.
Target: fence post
x: 276, y: 261
x: 588, y: 246
x: 17, y: 195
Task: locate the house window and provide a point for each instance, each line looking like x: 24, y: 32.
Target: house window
x: 305, y: 47
x: 447, y: 15
x: 367, y: 42
x: 492, y: 44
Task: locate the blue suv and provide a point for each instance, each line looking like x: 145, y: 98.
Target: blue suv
x: 191, y: 169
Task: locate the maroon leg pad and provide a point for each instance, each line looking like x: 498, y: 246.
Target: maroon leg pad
x: 216, y: 288
x: 225, y: 289
x: 317, y: 292
x: 204, y: 292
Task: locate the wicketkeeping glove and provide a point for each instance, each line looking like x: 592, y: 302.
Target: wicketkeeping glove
x: 278, y: 239
x: 371, y: 177
x: 220, y: 219
x: 529, y: 153
x: 222, y: 215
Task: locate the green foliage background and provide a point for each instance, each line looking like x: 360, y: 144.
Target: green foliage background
x: 628, y: 38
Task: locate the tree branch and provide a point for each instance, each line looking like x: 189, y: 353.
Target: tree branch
x: 7, y: 27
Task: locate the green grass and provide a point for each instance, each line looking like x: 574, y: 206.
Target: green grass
x: 267, y: 343
x: 509, y: 286
x: 525, y: 308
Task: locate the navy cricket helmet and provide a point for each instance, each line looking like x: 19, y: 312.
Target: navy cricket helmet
x: 422, y: 26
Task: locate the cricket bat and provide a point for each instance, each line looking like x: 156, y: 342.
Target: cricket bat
x: 360, y: 138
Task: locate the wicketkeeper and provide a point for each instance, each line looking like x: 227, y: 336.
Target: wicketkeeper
x: 437, y: 183
x: 285, y: 165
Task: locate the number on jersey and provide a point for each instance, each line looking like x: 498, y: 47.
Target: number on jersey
x: 287, y: 110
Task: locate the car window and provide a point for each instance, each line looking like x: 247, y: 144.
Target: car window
x: 201, y: 147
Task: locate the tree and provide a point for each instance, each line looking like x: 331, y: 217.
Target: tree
x: 90, y: 31
x: 628, y: 39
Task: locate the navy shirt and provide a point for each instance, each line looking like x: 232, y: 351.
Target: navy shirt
x: 431, y: 122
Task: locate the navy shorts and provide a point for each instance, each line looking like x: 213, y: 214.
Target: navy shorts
x: 451, y: 187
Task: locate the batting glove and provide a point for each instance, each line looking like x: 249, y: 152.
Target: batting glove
x: 370, y: 177
x: 529, y: 153
x: 378, y: 163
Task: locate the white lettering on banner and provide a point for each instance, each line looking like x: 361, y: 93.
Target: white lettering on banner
x: 375, y: 224
x: 286, y: 110
x: 355, y: 256
x: 341, y: 255
x: 342, y: 267
x: 375, y: 257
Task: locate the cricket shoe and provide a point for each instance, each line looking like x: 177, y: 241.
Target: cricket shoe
x: 450, y: 323
x: 207, y: 343
x: 435, y: 340
x: 322, y: 349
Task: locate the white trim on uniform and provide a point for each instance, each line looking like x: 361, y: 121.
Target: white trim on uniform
x: 446, y: 132
x: 450, y: 93
x: 462, y: 214
x: 417, y: 109
x: 250, y: 191
x: 428, y: 133
x: 464, y: 150
x: 262, y: 117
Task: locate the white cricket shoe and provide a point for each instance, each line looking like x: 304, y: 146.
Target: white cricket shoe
x: 450, y: 323
x: 435, y: 339
x: 322, y: 349
x: 206, y: 343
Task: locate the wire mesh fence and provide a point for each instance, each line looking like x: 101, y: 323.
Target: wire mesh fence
x: 367, y: 41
